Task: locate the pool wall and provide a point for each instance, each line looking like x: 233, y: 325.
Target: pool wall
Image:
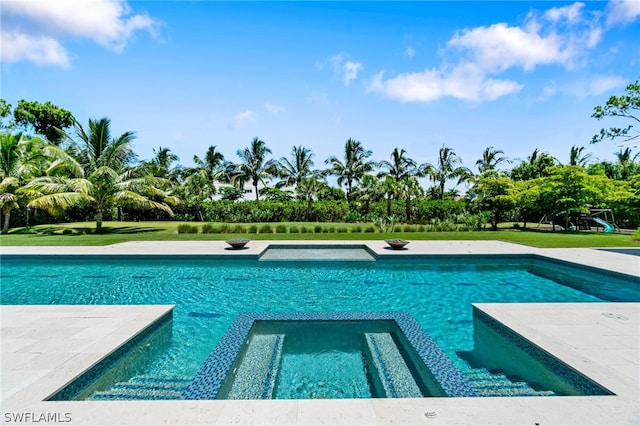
x: 498, y: 347
x: 80, y: 385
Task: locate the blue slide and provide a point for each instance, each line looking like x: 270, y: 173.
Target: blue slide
x: 606, y: 225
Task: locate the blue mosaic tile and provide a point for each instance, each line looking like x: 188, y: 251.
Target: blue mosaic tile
x: 81, y: 382
x: 209, y: 380
x: 579, y: 381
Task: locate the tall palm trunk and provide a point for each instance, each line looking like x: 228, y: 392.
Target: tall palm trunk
x: 99, y: 220
x: 7, y: 217
x: 408, y: 208
x: 255, y: 186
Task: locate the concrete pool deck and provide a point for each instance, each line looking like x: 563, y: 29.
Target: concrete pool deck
x: 45, y: 347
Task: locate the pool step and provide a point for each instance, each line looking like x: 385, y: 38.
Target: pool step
x: 497, y: 384
x: 256, y: 376
x: 393, y: 373
x: 145, y: 387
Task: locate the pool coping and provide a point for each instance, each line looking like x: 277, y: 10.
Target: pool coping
x: 578, y: 334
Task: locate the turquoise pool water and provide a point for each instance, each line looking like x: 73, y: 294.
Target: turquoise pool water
x: 210, y: 292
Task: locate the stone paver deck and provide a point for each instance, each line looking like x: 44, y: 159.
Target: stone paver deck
x: 45, y: 347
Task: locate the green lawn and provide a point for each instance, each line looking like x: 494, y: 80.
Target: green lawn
x: 117, y: 232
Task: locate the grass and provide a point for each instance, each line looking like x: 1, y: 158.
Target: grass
x: 81, y: 234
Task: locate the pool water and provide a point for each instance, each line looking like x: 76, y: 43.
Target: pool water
x: 210, y: 292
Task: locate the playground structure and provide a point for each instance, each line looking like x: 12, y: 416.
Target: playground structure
x: 603, y: 218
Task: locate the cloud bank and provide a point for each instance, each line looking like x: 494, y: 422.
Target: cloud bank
x: 34, y: 31
x: 477, y: 58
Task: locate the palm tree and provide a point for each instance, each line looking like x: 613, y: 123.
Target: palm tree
x: 295, y: 171
x: 576, y: 158
x: 490, y: 159
x: 255, y: 166
x: 400, y: 167
x: 97, y: 173
x: 20, y: 159
x: 161, y: 164
x: 403, y: 170
x: 354, y: 167
x: 535, y: 166
x: 445, y: 169
x: 626, y: 163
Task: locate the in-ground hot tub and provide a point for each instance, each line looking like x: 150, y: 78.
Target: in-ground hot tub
x: 327, y: 355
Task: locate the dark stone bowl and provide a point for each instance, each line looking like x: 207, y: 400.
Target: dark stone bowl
x: 397, y: 244
x: 238, y: 244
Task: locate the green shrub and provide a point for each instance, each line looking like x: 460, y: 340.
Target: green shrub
x: 253, y: 229
x: 317, y: 229
x: 303, y: 230
x: 332, y: 230
x: 294, y: 230
x: 397, y: 228
x: 356, y: 229
x: 636, y: 235
x: 225, y: 228
x: 281, y: 229
x: 369, y: 229
x: 67, y: 231
x: 409, y: 228
x: 420, y: 228
x: 185, y: 228
x: 341, y: 230
x: 208, y: 228
x: 239, y: 229
x: 265, y: 229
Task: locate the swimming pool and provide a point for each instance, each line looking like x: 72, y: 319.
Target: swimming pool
x: 209, y: 292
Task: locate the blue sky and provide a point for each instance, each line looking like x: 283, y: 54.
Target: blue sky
x: 417, y: 75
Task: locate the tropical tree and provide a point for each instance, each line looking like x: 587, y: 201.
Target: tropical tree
x: 403, y: 170
x: 568, y: 189
x: 626, y: 165
x: 445, y: 169
x: 493, y: 194
x: 5, y: 111
x: 354, y: 166
x: 162, y: 164
x: 577, y: 158
x: 409, y: 187
x: 46, y: 119
x: 490, y: 159
x: 308, y: 189
x: 97, y: 173
x: 254, y: 165
x: 20, y: 159
x: 535, y: 166
x: 625, y: 106
x: 293, y: 172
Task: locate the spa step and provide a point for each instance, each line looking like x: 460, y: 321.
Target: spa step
x: 497, y: 384
x: 144, y: 387
x: 255, y: 377
x: 392, y: 371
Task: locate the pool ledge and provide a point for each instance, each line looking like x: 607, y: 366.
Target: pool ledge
x: 44, y: 347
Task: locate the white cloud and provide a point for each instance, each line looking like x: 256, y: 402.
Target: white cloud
x: 108, y: 23
x: 41, y: 50
x: 351, y: 70
x: 348, y: 70
x: 476, y: 57
x: 622, y: 11
x: 570, y: 13
x: 466, y: 82
x: 605, y: 84
x: 243, y: 117
x: 274, y: 109
x: 410, y: 52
